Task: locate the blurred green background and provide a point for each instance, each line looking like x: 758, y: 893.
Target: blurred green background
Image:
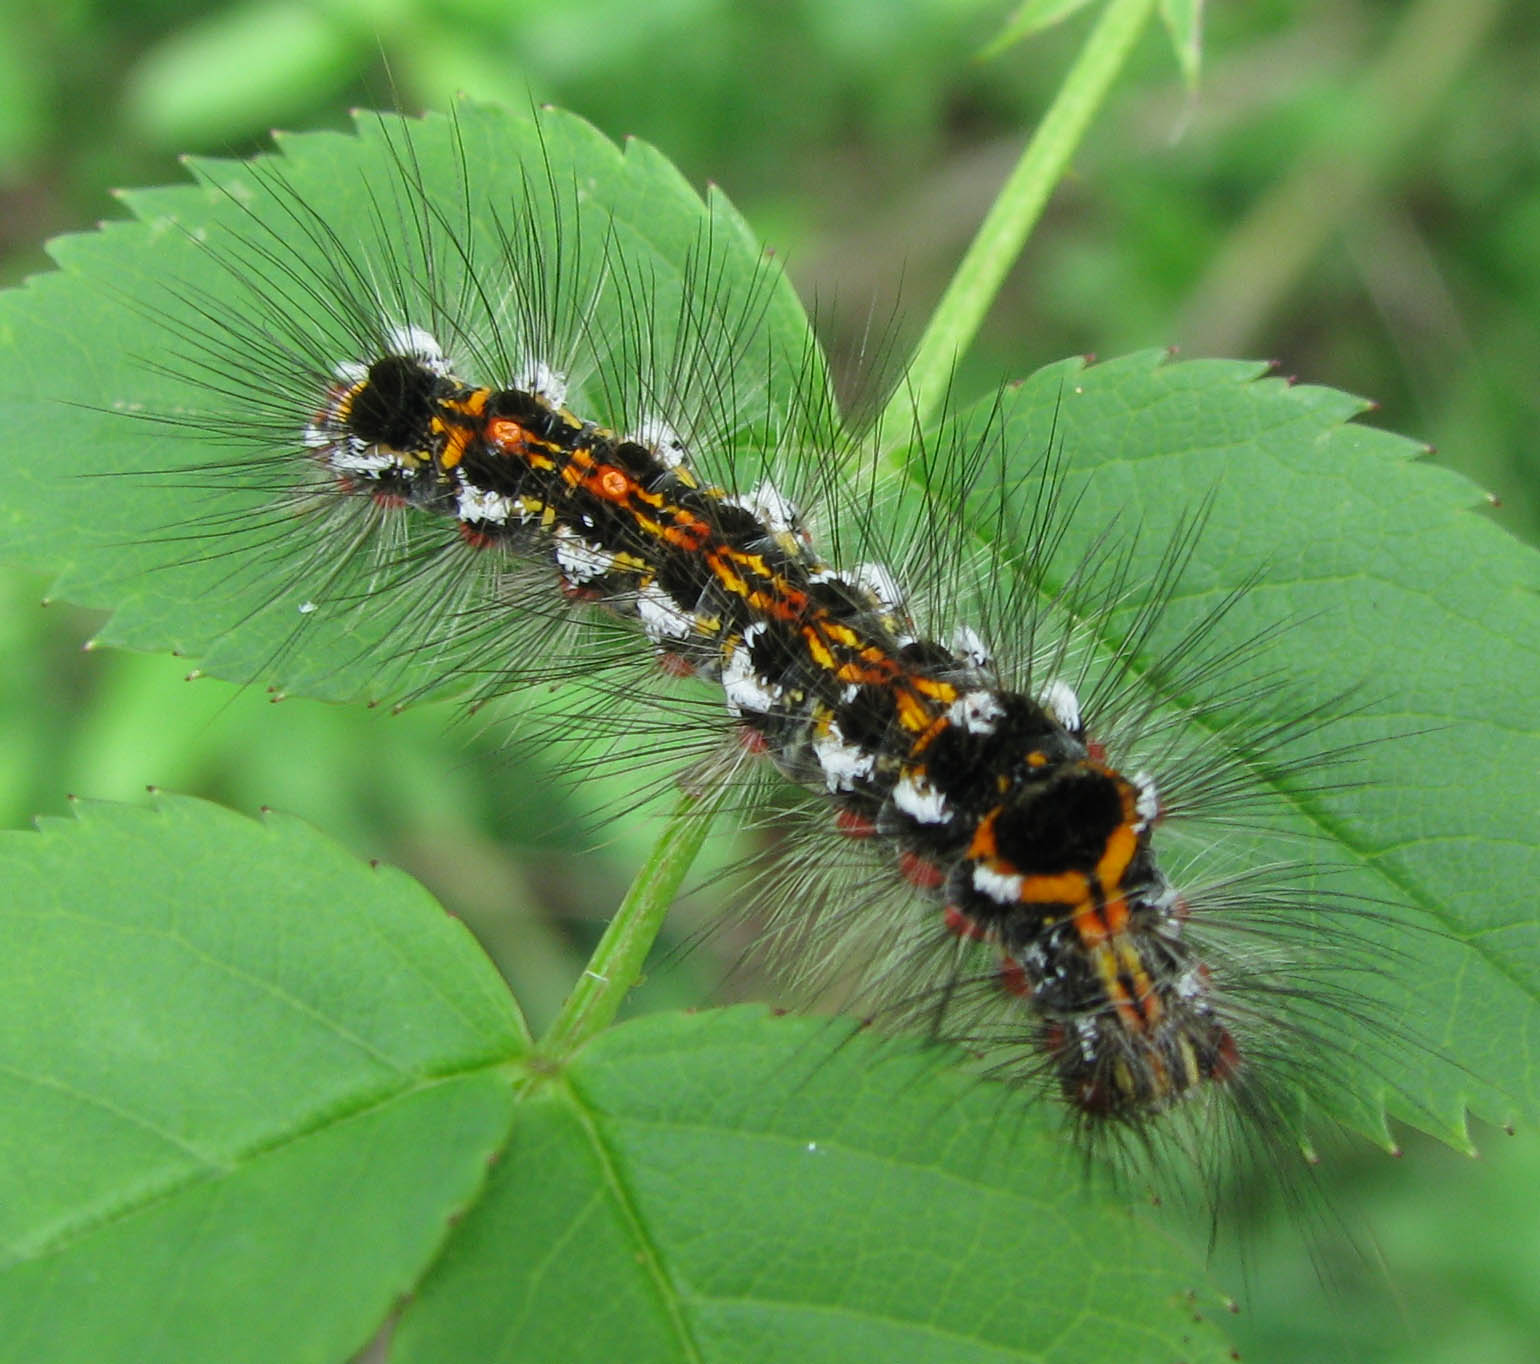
x: 1352, y: 190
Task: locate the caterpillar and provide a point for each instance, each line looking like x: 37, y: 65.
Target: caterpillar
x: 992, y: 801
x: 497, y: 438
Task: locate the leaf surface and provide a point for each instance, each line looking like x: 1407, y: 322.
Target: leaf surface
x: 729, y: 1187
x: 239, y: 1069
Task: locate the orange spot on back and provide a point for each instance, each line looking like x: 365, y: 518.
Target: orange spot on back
x: 506, y: 434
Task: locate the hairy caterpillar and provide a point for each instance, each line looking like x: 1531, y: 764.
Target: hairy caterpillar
x: 459, y: 427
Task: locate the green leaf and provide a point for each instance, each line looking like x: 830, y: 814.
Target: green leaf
x: 1184, y: 22
x: 247, y: 1082
x: 728, y: 1186
x: 1031, y: 16
x: 1390, y: 590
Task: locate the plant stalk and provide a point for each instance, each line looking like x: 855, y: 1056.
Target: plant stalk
x: 1012, y: 217
x: 617, y: 962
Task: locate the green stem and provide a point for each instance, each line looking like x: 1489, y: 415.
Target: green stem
x: 616, y: 964
x: 1015, y: 213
